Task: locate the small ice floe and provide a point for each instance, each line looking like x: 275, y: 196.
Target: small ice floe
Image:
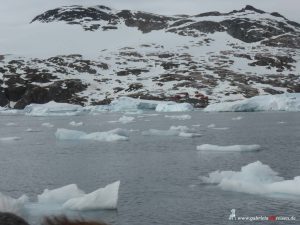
x: 255, y: 178
x: 281, y: 122
x: 49, y: 125
x: 126, y: 119
x: 76, y: 124
x: 213, y: 126
x: 237, y: 118
x: 181, y: 131
x: 12, y: 205
x: 231, y: 148
x: 196, y: 125
x: 11, y: 124
x: 72, y: 198
x: 109, y: 136
x: 221, y: 128
x: 9, y: 139
x: 179, y: 117
x: 32, y: 130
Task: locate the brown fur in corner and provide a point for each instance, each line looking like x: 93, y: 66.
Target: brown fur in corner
x: 65, y: 221
x: 11, y: 219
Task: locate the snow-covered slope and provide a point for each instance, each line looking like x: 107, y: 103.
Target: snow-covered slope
x: 90, y: 55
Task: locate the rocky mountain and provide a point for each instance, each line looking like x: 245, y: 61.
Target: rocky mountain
x: 199, y: 59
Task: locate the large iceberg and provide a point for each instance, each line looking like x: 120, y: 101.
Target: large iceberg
x: 60, y: 195
x: 103, y: 198
x: 255, y: 178
x: 53, y: 109
x: 174, y: 107
x: 109, y: 136
x: 131, y: 104
x: 230, y: 148
x: 12, y: 205
x: 283, y: 102
x: 72, y: 198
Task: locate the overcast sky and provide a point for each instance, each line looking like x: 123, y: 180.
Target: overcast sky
x: 20, y: 10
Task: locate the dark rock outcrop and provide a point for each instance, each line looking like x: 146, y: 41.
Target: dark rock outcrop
x: 11, y: 219
x: 235, y: 23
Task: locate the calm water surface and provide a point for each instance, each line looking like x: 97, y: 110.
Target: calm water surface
x: 159, y: 175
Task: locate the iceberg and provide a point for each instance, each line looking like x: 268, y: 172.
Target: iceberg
x: 109, y: 136
x: 283, y: 102
x: 60, y: 195
x: 70, y: 197
x: 174, y: 107
x: 255, y: 178
x: 124, y: 104
x: 103, y: 198
x: 53, y: 109
x: 231, y: 148
x: 11, y: 205
x: 180, y: 131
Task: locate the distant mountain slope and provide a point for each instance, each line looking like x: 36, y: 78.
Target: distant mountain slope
x: 203, y: 58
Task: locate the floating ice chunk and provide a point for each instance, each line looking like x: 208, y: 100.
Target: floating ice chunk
x: 32, y: 130
x: 174, y: 107
x: 237, y: 118
x: 255, y: 178
x: 282, y: 102
x: 126, y: 119
x: 49, y: 125
x: 53, y: 109
x: 231, y: 148
x: 221, y: 128
x: 112, y: 135
x: 8, y: 139
x: 281, y: 122
x: 11, y: 124
x: 11, y: 205
x: 60, y: 195
x: 103, y: 198
x: 74, y: 124
x: 181, y: 131
x: 179, y: 117
x: 211, y: 125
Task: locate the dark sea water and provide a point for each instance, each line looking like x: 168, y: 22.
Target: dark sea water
x: 159, y: 175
